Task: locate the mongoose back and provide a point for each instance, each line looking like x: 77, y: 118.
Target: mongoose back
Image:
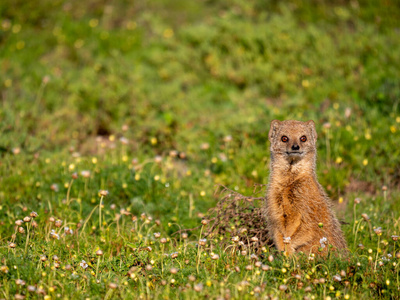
x: 298, y: 211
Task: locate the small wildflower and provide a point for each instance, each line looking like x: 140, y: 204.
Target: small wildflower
x: 112, y: 285
x: 254, y: 239
x: 192, y: 278
x: 254, y: 257
x: 103, y: 193
x: 258, y: 264
x: 55, y: 257
x: 21, y: 230
x: 99, y: 252
x: 43, y: 257
x: 235, y: 239
x: 320, y: 225
x: 243, y: 252
x: 283, y: 287
x: 174, y: 255
x: 54, y: 234
x: 395, y: 237
x: 357, y: 201
x: 20, y: 282
x: 378, y: 230
x: 365, y: 217
x: 270, y: 258
x: 184, y: 235
x: 249, y: 267
x: 149, y: 267
x: 204, y: 222
x: 4, y: 269
x: 286, y: 240
x: 83, y: 264
x: 12, y: 245
x: 198, y: 287
x: 337, y: 278
x: 54, y: 187
x: 173, y: 270
x: 323, y: 242
x: 85, y: 174
x: 31, y: 288
x: 157, y: 235
x: 34, y: 214
x: 202, y: 242
x: 215, y: 257
x: 265, y: 267
x: 74, y: 175
x: 58, y: 223
x: 384, y: 188
x: 237, y: 269
x: 163, y: 240
x: 19, y: 222
x: 52, y: 219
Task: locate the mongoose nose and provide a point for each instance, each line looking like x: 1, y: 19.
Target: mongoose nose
x: 295, y: 147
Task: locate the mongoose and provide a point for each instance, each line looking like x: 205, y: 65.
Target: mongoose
x: 298, y: 211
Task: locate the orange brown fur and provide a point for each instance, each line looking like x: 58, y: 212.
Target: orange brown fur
x: 296, y: 202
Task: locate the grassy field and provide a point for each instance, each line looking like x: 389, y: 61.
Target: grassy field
x: 119, y: 120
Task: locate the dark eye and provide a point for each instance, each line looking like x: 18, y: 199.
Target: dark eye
x: 285, y: 139
x: 303, y: 138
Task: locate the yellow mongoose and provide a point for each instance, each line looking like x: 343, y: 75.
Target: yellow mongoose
x: 298, y: 211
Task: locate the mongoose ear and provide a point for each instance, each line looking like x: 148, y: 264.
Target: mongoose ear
x: 273, y: 129
x: 311, y: 125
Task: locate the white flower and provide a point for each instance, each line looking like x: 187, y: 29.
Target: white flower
x: 337, y: 278
x: 323, y: 242
x: 286, y: 240
x: 83, y: 264
x: 54, y: 234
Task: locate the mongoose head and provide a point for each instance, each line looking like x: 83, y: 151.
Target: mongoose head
x: 293, y: 141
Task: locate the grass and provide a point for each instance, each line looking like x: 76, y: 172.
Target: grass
x: 158, y: 102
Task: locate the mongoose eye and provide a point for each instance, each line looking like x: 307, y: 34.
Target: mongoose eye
x: 303, y: 138
x: 285, y: 139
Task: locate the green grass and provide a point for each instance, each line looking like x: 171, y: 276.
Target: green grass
x: 162, y: 100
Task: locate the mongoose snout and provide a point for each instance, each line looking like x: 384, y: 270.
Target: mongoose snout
x: 296, y: 203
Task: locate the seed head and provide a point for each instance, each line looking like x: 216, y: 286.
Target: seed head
x: 12, y: 245
x: 254, y: 257
x: 243, y: 252
x: 149, y: 267
x: 192, y: 278
x: 74, y: 175
x: 343, y: 273
x: 19, y: 222
x: 27, y: 219
x: 163, y: 240
x: 173, y: 270
x: 43, y: 257
x: 58, y: 223
x: 99, y: 252
x: 184, y: 235
x: 21, y: 230
x: 258, y: 264
x: 174, y: 255
x: 249, y: 267
x: 384, y: 188
x: 286, y: 240
x: 357, y: 200
x: 395, y: 237
x: 378, y: 230
x: 157, y: 235
x: 34, y: 214
x: 270, y: 258
x: 237, y: 269
x: 52, y: 219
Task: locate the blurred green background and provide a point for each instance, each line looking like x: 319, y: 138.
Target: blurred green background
x: 202, y: 78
